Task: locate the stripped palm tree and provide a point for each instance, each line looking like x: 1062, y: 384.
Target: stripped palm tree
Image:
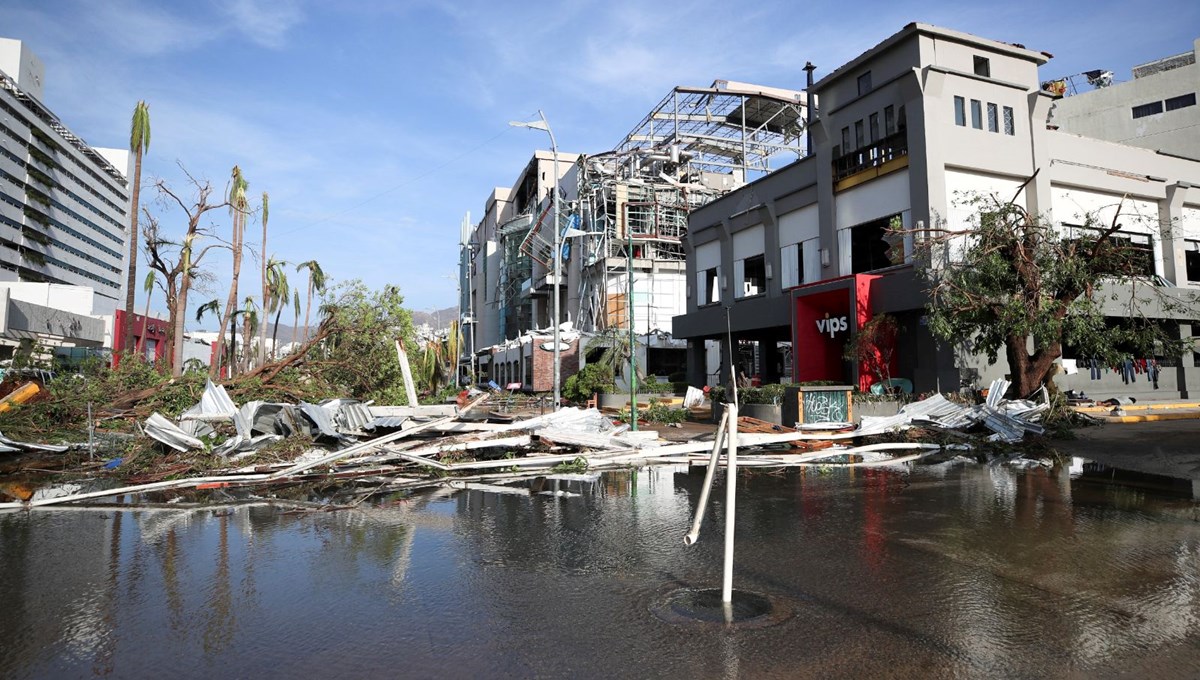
x: 279, y: 294
x: 213, y: 307
x: 249, y: 323
x: 296, y: 316
x: 139, y: 142
x: 147, y: 286
x: 316, y: 283
x: 238, y: 209
x: 266, y: 292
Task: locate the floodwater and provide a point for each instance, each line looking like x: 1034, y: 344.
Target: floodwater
x: 949, y: 571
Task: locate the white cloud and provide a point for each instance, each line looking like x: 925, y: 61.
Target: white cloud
x: 264, y: 22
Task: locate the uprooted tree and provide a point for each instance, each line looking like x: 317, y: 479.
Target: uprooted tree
x: 1014, y: 281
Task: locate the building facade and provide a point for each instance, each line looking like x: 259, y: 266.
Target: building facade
x: 623, y: 217
x: 63, y: 204
x: 786, y: 269
x: 1155, y: 110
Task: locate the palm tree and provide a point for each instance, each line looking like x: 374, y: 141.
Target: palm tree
x: 213, y: 307
x: 249, y: 323
x: 262, y: 332
x: 296, y: 316
x: 147, y: 286
x: 237, y: 212
x: 139, y: 142
x: 279, y: 293
x: 316, y: 282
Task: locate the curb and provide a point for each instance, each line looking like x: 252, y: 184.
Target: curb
x: 1151, y: 417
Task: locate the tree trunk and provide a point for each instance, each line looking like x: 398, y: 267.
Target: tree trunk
x: 262, y: 333
x: 275, y: 333
x: 180, y: 315
x: 131, y: 272
x: 308, y: 307
x: 231, y: 301
x: 1029, y: 372
x: 247, y: 334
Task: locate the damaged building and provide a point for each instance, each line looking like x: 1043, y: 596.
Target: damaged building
x: 623, y: 221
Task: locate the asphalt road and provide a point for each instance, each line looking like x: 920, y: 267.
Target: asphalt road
x: 1170, y: 447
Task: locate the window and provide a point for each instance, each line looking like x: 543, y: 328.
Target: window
x: 1191, y: 255
x: 874, y: 125
x: 993, y: 116
x: 1147, y: 109
x: 868, y: 250
x: 864, y: 83
x: 901, y: 120
x: 846, y: 140
x: 889, y: 121
x: 983, y: 67
x: 752, y: 279
x: 791, y: 261
x: 976, y: 114
x: 858, y: 135
x: 1009, y: 123
x: 1181, y: 101
x: 960, y: 112
x: 708, y: 287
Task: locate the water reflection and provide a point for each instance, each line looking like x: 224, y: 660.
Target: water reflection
x: 947, y: 570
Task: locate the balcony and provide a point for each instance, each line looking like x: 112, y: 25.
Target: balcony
x: 874, y: 156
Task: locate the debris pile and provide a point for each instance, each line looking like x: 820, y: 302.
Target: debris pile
x: 366, y: 449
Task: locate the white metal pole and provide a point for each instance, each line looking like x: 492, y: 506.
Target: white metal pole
x: 557, y: 267
x: 730, y: 503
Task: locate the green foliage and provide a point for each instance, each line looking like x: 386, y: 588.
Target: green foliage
x: 36, y: 215
x: 33, y: 257
x: 359, y: 358
x: 578, y: 465
x: 590, y: 379
x: 656, y: 412
x: 1008, y: 278
x: 35, y: 235
x: 652, y: 385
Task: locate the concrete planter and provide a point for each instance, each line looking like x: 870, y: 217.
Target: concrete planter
x: 622, y: 400
x: 876, y: 408
x: 772, y: 413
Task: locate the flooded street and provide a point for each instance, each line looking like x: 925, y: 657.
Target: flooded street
x: 957, y: 570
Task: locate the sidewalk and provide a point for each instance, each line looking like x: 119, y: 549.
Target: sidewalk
x: 1171, y: 449
x: 1145, y: 412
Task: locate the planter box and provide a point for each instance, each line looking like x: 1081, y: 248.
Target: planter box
x: 876, y: 408
x: 772, y: 413
x: 622, y: 400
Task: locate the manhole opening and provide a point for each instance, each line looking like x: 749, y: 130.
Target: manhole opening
x: 704, y: 606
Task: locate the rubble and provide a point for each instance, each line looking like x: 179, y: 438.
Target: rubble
x: 383, y: 448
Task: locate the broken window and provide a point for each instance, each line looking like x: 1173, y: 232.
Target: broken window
x: 708, y: 286
x: 868, y: 250
x: 1191, y: 256
x: 983, y: 67
x: 751, y: 276
x: 791, y: 262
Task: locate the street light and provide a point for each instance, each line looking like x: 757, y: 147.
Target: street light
x: 544, y: 125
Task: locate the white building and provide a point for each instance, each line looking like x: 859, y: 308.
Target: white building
x: 63, y: 204
x: 1155, y: 110
x: 904, y: 132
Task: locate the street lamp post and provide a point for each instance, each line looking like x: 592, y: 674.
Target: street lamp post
x: 544, y: 125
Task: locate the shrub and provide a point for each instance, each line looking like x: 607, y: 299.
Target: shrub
x: 590, y: 379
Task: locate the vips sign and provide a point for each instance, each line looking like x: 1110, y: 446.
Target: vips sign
x: 832, y: 325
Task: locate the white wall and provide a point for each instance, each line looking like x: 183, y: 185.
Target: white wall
x: 887, y: 195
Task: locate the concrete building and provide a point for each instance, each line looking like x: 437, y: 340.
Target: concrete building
x: 795, y: 262
x: 1155, y: 110
x: 624, y: 215
x: 63, y: 204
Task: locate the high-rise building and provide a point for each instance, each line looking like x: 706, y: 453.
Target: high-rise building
x: 63, y: 204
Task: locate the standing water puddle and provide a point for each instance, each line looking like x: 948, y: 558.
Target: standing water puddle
x: 946, y: 570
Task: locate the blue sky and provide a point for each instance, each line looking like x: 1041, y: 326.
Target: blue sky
x: 376, y: 125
